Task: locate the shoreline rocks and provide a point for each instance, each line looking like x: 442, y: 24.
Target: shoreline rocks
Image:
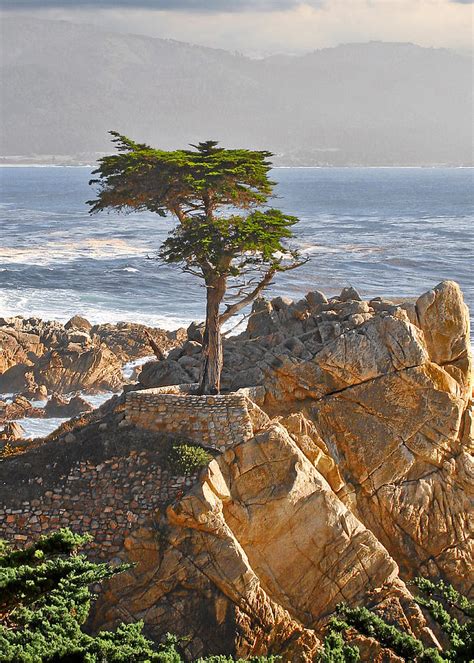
x: 356, y: 477
x: 37, y: 356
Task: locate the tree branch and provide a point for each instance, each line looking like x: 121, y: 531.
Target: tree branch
x: 265, y: 281
x: 248, y: 299
x: 154, y: 346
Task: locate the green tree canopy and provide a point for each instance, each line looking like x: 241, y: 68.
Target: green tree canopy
x: 45, y: 599
x: 225, y: 231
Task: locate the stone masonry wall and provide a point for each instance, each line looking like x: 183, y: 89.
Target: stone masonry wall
x: 107, y: 488
x: 217, y: 422
x: 112, y: 476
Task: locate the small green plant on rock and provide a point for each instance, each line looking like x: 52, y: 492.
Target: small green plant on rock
x: 186, y: 459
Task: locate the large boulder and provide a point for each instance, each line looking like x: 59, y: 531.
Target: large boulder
x: 74, y: 368
x: 79, y: 323
x: 444, y: 318
x: 58, y: 406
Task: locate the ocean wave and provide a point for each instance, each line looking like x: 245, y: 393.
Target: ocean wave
x: 53, y: 252
x: 61, y: 306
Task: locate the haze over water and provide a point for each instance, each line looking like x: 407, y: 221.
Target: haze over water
x: 392, y: 232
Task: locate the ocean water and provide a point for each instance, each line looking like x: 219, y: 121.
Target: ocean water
x: 387, y: 231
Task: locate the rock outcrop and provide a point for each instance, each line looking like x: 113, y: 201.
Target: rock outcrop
x: 38, y: 356
x: 355, y: 477
x: 255, y: 557
x: 383, y: 395
x: 18, y: 408
x: 130, y: 341
x: 58, y: 406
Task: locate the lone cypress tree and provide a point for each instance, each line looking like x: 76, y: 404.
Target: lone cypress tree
x: 225, y: 231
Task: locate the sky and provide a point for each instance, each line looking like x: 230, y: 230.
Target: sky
x: 263, y: 27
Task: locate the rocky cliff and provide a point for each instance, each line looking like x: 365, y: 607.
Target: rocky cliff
x: 357, y: 476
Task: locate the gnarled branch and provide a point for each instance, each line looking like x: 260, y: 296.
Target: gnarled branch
x: 261, y: 285
x: 248, y: 299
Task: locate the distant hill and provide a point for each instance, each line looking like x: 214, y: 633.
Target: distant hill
x: 65, y: 85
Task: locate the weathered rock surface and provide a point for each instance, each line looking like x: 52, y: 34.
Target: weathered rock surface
x: 262, y: 534
x: 16, y: 347
x: 76, y: 368
x: 36, y: 355
x: 358, y: 476
x: 383, y: 394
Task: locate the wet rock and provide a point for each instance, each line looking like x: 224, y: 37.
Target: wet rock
x: 58, y: 406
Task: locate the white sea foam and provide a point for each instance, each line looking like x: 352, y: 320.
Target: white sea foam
x: 129, y: 367
x: 62, y: 251
x: 62, y: 305
x: 39, y: 427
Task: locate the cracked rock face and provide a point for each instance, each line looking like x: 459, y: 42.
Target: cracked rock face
x: 359, y: 476
x: 261, y: 545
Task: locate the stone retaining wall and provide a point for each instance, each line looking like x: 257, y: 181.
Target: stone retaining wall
x: 217, y: 422
x: 108, y: 499
x: 112, y: 478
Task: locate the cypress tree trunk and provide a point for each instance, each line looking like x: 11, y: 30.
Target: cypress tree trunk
x: 212, y: 355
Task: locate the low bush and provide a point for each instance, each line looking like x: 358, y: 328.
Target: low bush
x: 186, y: 459
x: 451, y: 610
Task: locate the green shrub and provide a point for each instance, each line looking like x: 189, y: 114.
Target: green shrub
x: 45, y: 599
x: 186, y: 459
x: 450, y: 609
x: 335, y: 649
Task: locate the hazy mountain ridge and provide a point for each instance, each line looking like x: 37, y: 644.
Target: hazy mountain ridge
x: 65, y: 85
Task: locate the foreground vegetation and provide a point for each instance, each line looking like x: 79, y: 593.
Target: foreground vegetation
x: 45, y: 599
